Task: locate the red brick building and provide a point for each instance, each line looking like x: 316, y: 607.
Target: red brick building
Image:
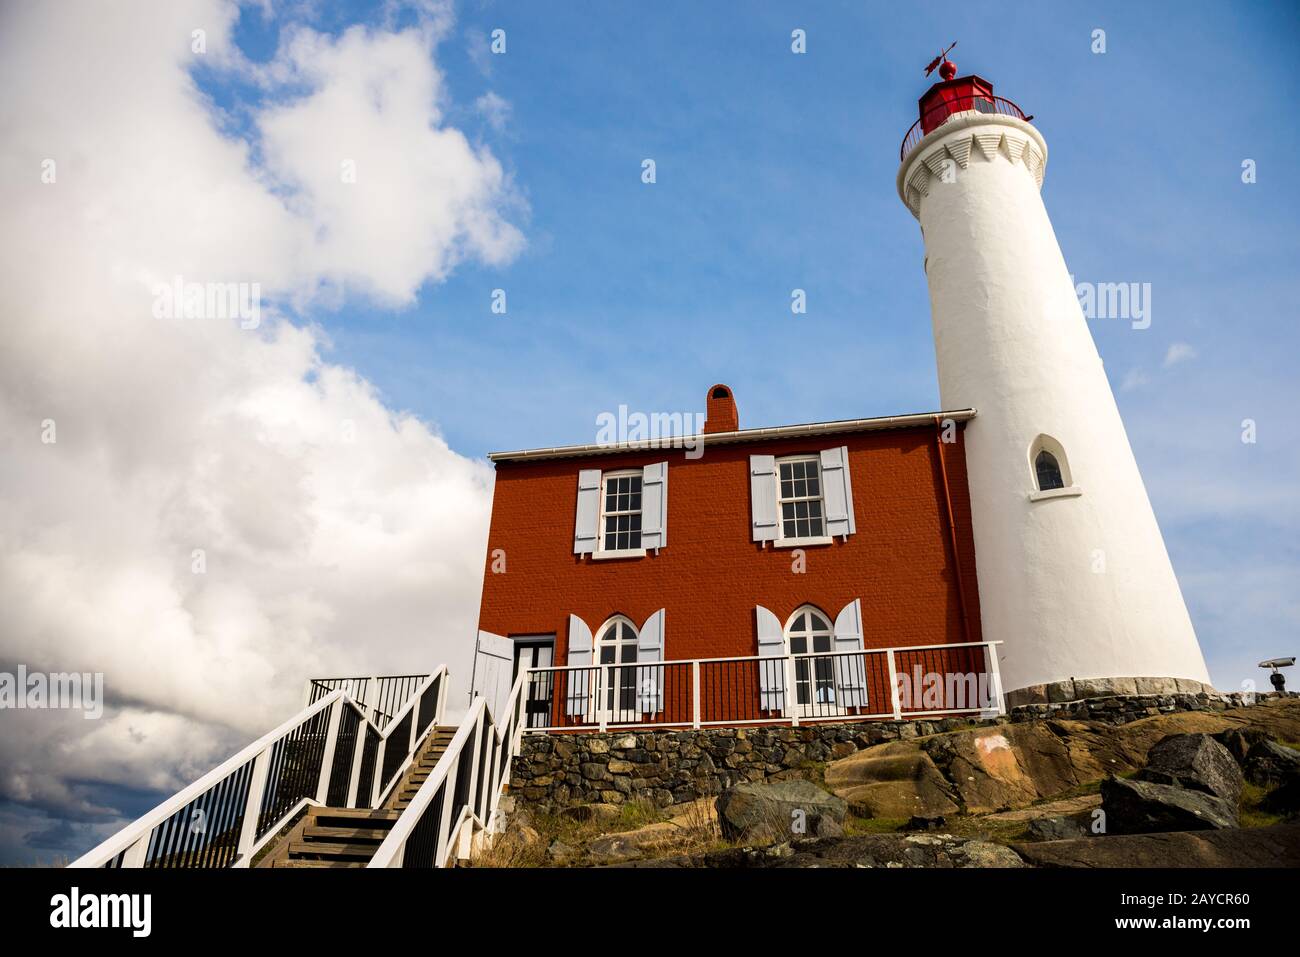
x: 815, y: 540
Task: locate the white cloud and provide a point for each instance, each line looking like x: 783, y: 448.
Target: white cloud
x: 494, y: 109
x: 1135, y: 378
x: 1178, y: 352
x: 322, y: 555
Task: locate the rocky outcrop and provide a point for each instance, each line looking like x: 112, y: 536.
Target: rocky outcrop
x: 1140, y: 807
x: 1009, y: 766
x: 871, y: 850
x: 1197, y: 762
x: 764, y: 813
x: 1254, y: 847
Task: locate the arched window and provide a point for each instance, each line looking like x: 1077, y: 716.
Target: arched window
x: 809, y: 632
x: 1048, y: 471
x: 1049, y: 466
x: 616, y: 645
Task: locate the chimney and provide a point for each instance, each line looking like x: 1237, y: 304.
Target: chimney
x: 720, y: 414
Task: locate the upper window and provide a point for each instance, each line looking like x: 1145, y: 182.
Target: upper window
x: 620, y: 516
x: 799, y: 494
x: 1048, y: 471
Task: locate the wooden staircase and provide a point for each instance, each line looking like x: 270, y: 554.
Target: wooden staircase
x: 349, y: 837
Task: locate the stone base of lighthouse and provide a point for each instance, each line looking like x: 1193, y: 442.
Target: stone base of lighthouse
x: 1078, y: 689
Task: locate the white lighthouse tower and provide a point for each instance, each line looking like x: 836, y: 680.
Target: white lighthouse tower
x: 1073, y: 573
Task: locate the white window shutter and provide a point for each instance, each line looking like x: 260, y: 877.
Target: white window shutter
x: 578, y: 656
x: 771, y: 673
x: 654, y: 505
x: 850, y: 670
x: 585, y: 526
x: 837, y: 490
x: 762, y: 496
x: 650, y: 679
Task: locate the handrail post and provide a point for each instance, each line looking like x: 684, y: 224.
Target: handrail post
x: 695, y: 693
x: 377, y: 781
x: 331, y: 744
x: 358, y: 751
x: 252, y: 807
x: 444, y: 838
x: 790, y: 698
x: 135, y: 854
x: 893, y: 686
x: 371, y: 700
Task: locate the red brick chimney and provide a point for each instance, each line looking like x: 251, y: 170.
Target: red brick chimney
x: 720, y: 411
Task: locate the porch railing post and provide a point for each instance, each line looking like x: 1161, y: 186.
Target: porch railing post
x: 995, y: 677
x: 695, y: 693
x: 600, y: 698
x: 790, y: 698
x: 135, y: 854
x: 894, y: 703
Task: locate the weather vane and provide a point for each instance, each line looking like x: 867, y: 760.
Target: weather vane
x: 947, y: 69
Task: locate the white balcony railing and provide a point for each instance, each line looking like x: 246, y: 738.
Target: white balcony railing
x: 872, y: 684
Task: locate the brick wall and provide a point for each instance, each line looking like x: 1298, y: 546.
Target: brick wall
x: 710, y: 575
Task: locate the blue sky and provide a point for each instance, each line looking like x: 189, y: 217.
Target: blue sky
x: 776, y: 171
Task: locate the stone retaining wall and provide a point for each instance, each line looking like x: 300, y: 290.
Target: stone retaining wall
x: 674, y: 767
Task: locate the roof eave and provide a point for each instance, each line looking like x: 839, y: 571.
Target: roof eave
x: 876, y: 424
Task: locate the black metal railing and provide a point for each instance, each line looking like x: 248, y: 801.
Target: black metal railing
x: 938, y: 114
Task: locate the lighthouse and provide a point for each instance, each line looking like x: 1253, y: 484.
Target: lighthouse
x: 1073, y: 574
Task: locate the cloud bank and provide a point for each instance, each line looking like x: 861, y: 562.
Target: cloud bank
x: 221, y: 511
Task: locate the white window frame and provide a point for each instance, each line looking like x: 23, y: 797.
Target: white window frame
x: 599, y: 709
x: 601, y: 552
x: 781, y: 541
x: 814, y: 708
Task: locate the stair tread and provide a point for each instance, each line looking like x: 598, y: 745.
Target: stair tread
x: 301, y: 863
x: 346, y: 834
x: 326, y: 847
x: 370, y: 814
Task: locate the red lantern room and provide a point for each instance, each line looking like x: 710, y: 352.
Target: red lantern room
x: 952, y: 95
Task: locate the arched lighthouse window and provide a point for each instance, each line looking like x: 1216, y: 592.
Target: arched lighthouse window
x: 1049, y: 471
x: 616, y: 646
x: 1048, y: 463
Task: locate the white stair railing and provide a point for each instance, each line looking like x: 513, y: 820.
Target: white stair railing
x: 455, y: 810
x: 329, y: 754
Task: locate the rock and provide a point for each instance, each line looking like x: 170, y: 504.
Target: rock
x: 1194, y: 761
x: 827, y: 826
x: 1239, y: 741
x: 926, y: 823
x: 1056, y: 828
x: 611, y: 849
x: 1081, y: 807
x: 784, y: 808
x: 1240, y: 847
x: 1268, y: 763
x: 1061, y: 690
x: 1284, y: 800
x: 1156, y: 686
x: 1140, y: 807
x: 893, y: 780
x: 559, y: 853
x: 598, y: 745
x: 1104, y: 687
